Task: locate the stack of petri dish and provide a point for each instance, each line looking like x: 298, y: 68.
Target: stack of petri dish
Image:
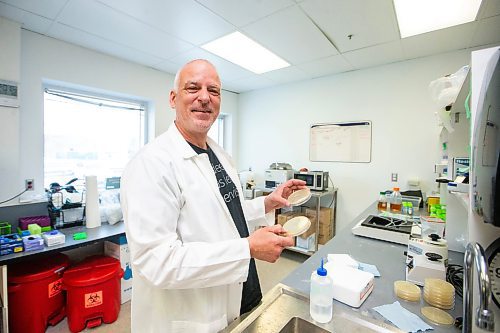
x: 407, y: 291
x: 439, y: 293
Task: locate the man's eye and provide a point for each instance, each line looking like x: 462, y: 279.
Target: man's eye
x: 214, y: 92
x: 192, y: 89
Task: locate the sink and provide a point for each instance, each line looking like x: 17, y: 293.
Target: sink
x: 297, y: 325
x: 285, y: 310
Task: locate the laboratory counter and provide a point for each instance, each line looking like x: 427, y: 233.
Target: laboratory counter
x: 390, y: 261
x: 94, y: 235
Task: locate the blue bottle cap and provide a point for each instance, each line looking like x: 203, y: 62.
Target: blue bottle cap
x: 321, y: 271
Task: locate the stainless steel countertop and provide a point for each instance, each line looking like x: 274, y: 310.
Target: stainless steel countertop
x: 390, y: 261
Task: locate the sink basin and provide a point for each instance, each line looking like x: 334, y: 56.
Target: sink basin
x: 297, y: 325
x: 284, y: 310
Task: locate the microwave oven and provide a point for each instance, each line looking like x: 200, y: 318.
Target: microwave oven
x: 315, y: 180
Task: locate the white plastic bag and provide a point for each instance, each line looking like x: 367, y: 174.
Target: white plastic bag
x: 444, y: 91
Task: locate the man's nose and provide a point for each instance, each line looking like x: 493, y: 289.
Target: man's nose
x: 203, y: 96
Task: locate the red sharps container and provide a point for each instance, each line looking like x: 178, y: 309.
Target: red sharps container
x: 36, y: 298
x: 93, y: 292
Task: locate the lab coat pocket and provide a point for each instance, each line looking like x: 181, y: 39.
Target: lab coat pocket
x: 179, y: 326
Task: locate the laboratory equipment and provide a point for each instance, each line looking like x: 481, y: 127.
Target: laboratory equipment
x: 274, y: 178
x: 299, y: 197
x: 382, y: 202
x: 296, y: 226
x: 386, y: 228
x: 395, y: 200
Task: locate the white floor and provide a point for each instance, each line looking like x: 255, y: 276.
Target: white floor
x: 269, y: 276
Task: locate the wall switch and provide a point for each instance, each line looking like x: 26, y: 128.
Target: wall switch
x: 29, y: 184
x: 394, y: 177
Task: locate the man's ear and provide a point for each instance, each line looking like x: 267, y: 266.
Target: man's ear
x: 172, y: 98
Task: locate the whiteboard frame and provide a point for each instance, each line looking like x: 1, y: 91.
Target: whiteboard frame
x: 347, y: 123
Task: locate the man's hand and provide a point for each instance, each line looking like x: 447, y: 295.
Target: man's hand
x: 266, y: 244
x: 278, y: 198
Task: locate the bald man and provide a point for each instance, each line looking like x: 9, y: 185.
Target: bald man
x: 190, y: 231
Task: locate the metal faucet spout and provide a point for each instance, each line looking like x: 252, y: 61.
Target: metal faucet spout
x: 474, y: 253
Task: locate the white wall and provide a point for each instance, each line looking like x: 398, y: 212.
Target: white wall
x: 43, y: 58
x: 10, y: 46
x: 274, y: 126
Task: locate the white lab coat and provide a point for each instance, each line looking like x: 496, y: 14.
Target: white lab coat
x: 188, y: 260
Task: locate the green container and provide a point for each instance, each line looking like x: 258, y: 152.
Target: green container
x: 34, y: 229
x: 5, y: 228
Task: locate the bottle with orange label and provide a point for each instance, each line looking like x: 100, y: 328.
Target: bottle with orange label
x: 396, y: 201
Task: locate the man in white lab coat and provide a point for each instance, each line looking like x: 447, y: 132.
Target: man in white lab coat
x: 188, y: 225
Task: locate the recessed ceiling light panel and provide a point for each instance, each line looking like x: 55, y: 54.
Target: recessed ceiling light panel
x: 242, y: 51
x: 420, y: 16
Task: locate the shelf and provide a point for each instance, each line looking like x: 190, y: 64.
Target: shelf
x: 300, y: 250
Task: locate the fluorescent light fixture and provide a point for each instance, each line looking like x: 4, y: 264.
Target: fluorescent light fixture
x: 244, y: 52
x: 420, y: 16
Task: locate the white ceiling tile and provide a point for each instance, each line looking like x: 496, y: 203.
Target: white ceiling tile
x: 102, y: 45
x: 185, y: 19
x: 287, y: 74
x: 27, y: 20
x: 490, y: 8
x: 167, y: 66
x: 227, y: 70
x: 45, y: 8
x: 369, y: 22
x: 439, y: 41
x: 487, y: 32
x: 291, y: 35
x: 375, y: 55
x: 326, y: 66
x: 243, y: 12
x: 251, y: 82
x: 100, y: 20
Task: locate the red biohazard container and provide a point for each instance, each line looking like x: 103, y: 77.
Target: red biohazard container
x: 92, y: 292
x: 36, y: 298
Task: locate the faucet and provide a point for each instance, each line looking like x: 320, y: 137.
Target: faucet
x: 484, y: 316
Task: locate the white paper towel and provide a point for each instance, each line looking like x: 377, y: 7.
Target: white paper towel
x: 92, y: 215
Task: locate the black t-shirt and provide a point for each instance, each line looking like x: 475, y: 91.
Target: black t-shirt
x: 252, y: 294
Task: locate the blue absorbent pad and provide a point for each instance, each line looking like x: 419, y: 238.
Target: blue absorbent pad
x: 402, y: 318
x: 369, y: 268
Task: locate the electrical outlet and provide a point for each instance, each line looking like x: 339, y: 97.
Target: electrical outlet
x: 29, y: 184
x: 394, y: 177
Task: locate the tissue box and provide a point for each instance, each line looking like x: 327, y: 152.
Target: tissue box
x: 350, y: 285
x: 54, y: 237
x: 306, y: 243
x: 118, y: 249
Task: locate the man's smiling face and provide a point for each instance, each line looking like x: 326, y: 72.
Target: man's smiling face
x: 196, y: 99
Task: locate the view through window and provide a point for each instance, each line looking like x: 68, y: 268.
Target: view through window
x: 89, y: 135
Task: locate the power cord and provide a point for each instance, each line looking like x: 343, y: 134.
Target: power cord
x: 13, y: 197
x: 455, y: 276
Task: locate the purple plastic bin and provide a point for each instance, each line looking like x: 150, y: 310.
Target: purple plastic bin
x: 42, y: 221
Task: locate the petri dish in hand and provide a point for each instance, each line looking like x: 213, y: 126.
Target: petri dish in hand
x: 296, y: 226
x: 299, y: 197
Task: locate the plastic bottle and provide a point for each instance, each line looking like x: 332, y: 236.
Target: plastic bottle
x: 382, y: 202
x: 396, y: 200
x: 321, y: 297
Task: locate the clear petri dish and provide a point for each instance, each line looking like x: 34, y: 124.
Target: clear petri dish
x: 437, y: 316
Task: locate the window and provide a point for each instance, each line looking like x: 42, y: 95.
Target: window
x: 89, y: 135
x: 216, y: 132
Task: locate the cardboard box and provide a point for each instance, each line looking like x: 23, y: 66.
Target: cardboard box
x: 323, y: 239
x: 326, y: 225
x: 119, y: 249
x: 282, y: 218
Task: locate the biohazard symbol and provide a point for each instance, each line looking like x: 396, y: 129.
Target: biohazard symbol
x: 55, y: 288
x: 93, y: 299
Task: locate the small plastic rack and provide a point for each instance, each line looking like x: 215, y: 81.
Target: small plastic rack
x: 64, y: 214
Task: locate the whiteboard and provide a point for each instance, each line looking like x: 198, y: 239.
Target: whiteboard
x: 341, y: 142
